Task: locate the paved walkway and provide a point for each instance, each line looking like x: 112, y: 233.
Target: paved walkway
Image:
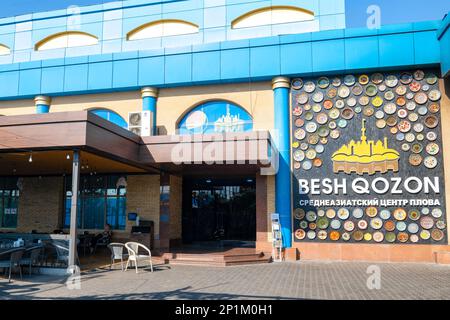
x: 305, y: 280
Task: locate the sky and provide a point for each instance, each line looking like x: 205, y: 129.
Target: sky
x: 392, y: 11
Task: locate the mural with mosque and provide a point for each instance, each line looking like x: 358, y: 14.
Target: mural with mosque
x: 216, y: 117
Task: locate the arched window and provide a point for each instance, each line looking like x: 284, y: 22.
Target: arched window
x: 272, y: 15
x: 162, y: 28
x: 4, y: 50
x: 110, y: 116
x: 214, y: 117
x: 66, y: 40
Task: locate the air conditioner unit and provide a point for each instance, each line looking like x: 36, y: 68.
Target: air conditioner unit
x: 140, y: 123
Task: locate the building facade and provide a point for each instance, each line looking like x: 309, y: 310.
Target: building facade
x: 206, y: 117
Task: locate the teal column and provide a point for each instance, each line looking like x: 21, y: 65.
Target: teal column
x: 42, y: 104
x: 149, y: 101
x: 283, y: 198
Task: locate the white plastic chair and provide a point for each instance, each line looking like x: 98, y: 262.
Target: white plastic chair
x: 134, y: 256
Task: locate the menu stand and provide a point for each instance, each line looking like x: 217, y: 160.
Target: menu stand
x: 277, y: 241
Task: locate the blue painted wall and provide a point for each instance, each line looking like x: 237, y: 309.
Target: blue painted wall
x: 111, y: 22
x: 306, y: 54
x: 444, y: 39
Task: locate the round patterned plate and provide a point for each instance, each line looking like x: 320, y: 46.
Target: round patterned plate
x: 413, y: 117
x: 317, y: 162
x: 335, y: 235
x: 346, y: 236
x: 316, y: 108
x: 406, y: 78
x: 357, y: 90
x: 400, y: 226
x: 335, y: 134
x: 323, y: 82
x: 302, y: 98
x: 332, y: 93
x: 389, y: 225
x: 371, y: 212
x: 363, y: 79
x: 335, y: 224
x: 389, y: 95
x: 367, y: 236
x: 299, y: 155
x: 431, y: 136
x: 364, y: 100
x: 425, y: 234
x: 432, y: 148
x: 437, y: 213
x: 297, y: 84
x: 437, y: 235
x: 419, y: 75
x: 358, y: 213
x: 402, y: 113
x: 371, y: 90
x: 349, y: 80
x: 421, y: 98
x: 381, y: 123
x: 378, y: 237
x: 377, y: 101
x: 411, y: 105
x: 311, y: 235
x: 343, y: 214
x: 406, y: 147
x: 362, y: 224
x: 400, y: 214
x: 431, y: 78
x: 322, y: 223
x: 391, y: 121
x: 410, y: 137
x: 351, y: 102
x: 434, y: 108
x: 307, y: 165
x: 358, y: 235
x: 377, y: 78
x: 300, y: 234
x: 322, y: 234
x: 328, y: 104
x: 385, y: 214
x: 347, y: 113
x: 349, y: 226
x: 368, y: 111
x: 342, y: 123
x: 426, y: 222
x: 402, y: 237
x: 390, y: 237
x: 390, y: 108
x: 400, y: 101
x: 343, y: 92
x: 391, y: 81
x: 415, y: 86
x: 404, y: 126
x: 430, y: 162
x: 414, y: 238
x: 401, y: 90
x: 441, y: 224
x: 309, y: 87
x: 376, y: 223
x: 434, y: 95
x: 431, y: 122
x: 299, y: 214
x: 414, y: 215
x: 300, y: 134
x: 340, y: 104
x: 331, y: 213
x: 320, y: 148
x: 415, y: 160
x: 413, y: 228
x: 336, y: 82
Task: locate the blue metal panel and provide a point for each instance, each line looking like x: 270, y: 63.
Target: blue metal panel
x: 206, y: 66
x: 151, y: 71
x: 361, y: 53
x: 10, y: 84
x: 258, y: 61
x: 125, y: 73
x: 429, y: 49
x: 296, y: 58
x: 76, y: 78
x: 178, y: 68
x: 52, y: 80
x: 235, y: 64
x: 100, y: 75
x: 30, y: 82
x: 444, y: 39
x: 321, y: 56
x: 396, y: 50
x: 283, y: 177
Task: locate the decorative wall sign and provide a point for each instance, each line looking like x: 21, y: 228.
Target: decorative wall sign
x: 367, y: 159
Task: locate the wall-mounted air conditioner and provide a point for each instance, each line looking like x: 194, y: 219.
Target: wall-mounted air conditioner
x: 140, y: 123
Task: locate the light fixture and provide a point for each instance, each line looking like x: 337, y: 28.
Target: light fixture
x: 249, y: 180
x: 30, y: 159
x: 208, y: 181
x: 68, y: 157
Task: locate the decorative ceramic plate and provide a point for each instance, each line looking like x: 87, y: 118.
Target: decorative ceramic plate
x: 343, y: 214
x: 376, y: 223
x: 404, y: 126
x: 297, y: 84
x: 441, y: 224
x: 302, y: 98
x: 406, y: 147
x: 362, y: 224
x: 318, y: 97
x: 311, y: 235
x: 411, y: 105
x: 406, y: 78
x: 307, y: 107
x: 434, y: 95
x: 390, y: 108
x: 335, y: 235
x: 402, y: 113
x: 312, y: 226
x: 358, y: 236
x: 295, y: 144
x: 320, y: 148
x: 391, y: 121
x: 307, y: 165
x: 363, y: 79
x: 300, y: 134
x: 317, y: 162
x: 382, y: 88
x: 431, y: 122
x: 332, y: 125
x: 417, y: 148
x: 413, y: 117
x: 297, y: 111
x: 321, y: 213
x: 394, y: 130
x: 419, y: 75
x: 414, y: 238
x: 414, y: 215
x: 340, y: 104
x: 299, y: 214
x: 437, y: 235
x: 364, y: 100
x: 299, y: 155
x: 367, y: 236
x: 335, y: 224
x: 391, y: 81
x: 323, y: 82
x: 415, y: 86
x: 311, y: 154
x: 328, y: 104
x: 431, y: 136
x: 297, y: 165
x: 335, y: 134
x: 426, y: 87
x: 377, y: 78
x: 430, y: 162
x: 371, y: 90
x: 349, y: 226
x: 304, y: 146
x: 413, y: 228
x: 342, y: 123
x: 415, y: 160
x: 389, y: 95
x: 351, y: 102
x: 410, y: 95
x: 400, y: 226
x: 322, y: 223
x: 371, y: 212
x: 400, y: 214
x: 303, y: 224
x: 378, y: 237
x: 349, y: 80
x: 418, y: 127
x: 379, y: 114
x: 331, y: 213
x: 421, y: 98
x: 316, y: 108
x: 332, y: 93
x: 300, y: 234
x: 425, y: 234
x: 402, y: 237
x: 311, y: 127
x: 310, y: 87
x: 434, y: 107
x: 432, y: 148
x: 381, y: 123
x: 431, y: 78
x: 437, y: 213
x: 410, y: 137
x: 390, y: 237
x: 322, y: 118
x: 426, y: 222
x: 420, y: 137
x: 389, y: 225
x: 322, y: 234
x: 358, y: 109
x: 401, y: 90
x: 400, y: 136
x: 347, y: 113
x: 346, y: 236
x: 385, y: 214
x: 343, y: 92
x: 368, y: 111
x: 357, y: 90
x: 422, y: 111
x: 336, y: 82
x: 358, y: 213
x: 377, y: 101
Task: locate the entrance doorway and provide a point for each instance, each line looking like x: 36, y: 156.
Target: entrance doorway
x: 219, y: 210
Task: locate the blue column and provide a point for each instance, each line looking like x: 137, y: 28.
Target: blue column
x: 281, y: 88
x: 42, y: 104
x: 149, y: 100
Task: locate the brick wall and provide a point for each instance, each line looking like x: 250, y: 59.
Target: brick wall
x: 143, y: 198
x: 176, y: 194
x: 40, y: 204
